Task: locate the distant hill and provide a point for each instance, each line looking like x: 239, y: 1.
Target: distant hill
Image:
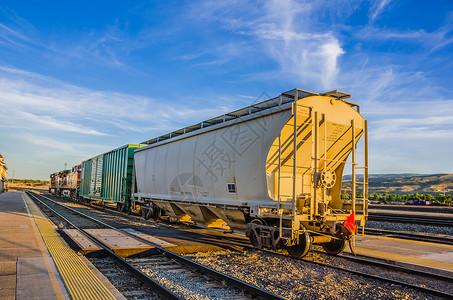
x: 405, y: 183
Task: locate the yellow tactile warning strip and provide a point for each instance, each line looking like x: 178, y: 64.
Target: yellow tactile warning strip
x: 57, y: 284
x: 78, y: 278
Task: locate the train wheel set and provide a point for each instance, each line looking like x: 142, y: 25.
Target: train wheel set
x: 273, y: 170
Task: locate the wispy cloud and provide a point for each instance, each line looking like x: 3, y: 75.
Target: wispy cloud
x: 377, y: 8
x: 26, y: 120
x: 29, y: 103
x: 107, y: 46
x: 282, y: 30
x: 413, y: 128
x: 311, y: 57
x: 55, y: 144
x: 8, y: 35
x: 430, y: 41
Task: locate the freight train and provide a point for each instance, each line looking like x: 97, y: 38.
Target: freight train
x: 66, y: 183
x: 272, y: 169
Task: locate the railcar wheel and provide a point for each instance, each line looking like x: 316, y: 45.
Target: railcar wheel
x: 254, y: 237
x: 335, y: 246
x: 254, y: 240
x: 119, y: 206
x: 145, y: 212
x: 300, y: 250
x: 157, y: 213
x: 149, y: 213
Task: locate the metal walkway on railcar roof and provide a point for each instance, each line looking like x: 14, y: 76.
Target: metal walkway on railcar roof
x: 286, y: 97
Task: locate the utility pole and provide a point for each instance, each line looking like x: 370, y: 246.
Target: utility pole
x: 65, y: 164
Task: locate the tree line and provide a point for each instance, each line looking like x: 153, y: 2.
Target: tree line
x: 386, y: 198
x: 30, y: 181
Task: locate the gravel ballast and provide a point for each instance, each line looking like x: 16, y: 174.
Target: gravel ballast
x: 295, y: 279
x: 186, y: 283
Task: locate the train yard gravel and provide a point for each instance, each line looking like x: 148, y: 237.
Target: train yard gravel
x: 295, y: 279
x: 127, y: 285
x: 186, y: 283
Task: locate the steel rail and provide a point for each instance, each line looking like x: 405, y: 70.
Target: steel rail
x: 253, y: 290
x: 422, y: 220
x: 136, y: 272
x: 412, y: 208
x: 410, y: 236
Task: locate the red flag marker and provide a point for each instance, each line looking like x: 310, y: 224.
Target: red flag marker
x: 349, y: 223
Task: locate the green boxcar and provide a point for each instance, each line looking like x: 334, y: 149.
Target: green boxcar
x: 108, y: 177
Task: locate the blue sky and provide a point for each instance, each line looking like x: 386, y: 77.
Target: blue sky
x: 80, y: 78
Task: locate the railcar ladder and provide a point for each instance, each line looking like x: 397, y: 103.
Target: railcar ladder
x: 313, y: 120
x: 364, y: 168
x: 292, y: 157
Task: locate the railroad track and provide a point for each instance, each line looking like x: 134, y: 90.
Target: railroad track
x: 410, y: 236
x: 171, y: 262
x: 412, y: 219
x: 361, y: 260
x: 411, y: 208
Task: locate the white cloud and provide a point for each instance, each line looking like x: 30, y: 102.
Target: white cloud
x: 420, y: 128
x: 301, y: 51
x: 61, y: 122
x: 283, y: 30
x: 48, y: 143
x: 420, y: 38
x: 312, y: 58
x: 9, y: 35
x: 38, y: 103
x: 409, y: 135
x: 30, y: 120
x: 377, y: 8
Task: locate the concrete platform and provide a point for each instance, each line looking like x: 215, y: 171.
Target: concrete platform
x: 84, y: 244
x: 120, y: 243
x: 150, y: 238
x: 28, y: 269
x: 424, y: 256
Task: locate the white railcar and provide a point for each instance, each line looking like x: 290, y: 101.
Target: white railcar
x: 273, y: 168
